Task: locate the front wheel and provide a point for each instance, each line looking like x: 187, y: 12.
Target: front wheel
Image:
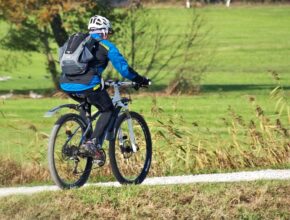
x: 130, y: 164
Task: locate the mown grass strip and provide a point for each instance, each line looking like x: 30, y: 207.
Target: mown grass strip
x: 255, y: 200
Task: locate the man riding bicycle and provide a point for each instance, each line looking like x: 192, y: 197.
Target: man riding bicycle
x: 89, y: 85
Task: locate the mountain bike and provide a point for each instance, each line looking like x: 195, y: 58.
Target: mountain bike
x: 130, y: 145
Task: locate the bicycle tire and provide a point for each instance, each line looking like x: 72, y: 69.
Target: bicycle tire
x: 112, y: 150
x: 59, y: 181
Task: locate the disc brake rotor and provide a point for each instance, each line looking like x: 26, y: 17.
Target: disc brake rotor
x: 126, y: 149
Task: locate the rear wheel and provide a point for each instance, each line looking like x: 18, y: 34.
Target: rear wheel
x: 68, y: 169
x: 130, y: 167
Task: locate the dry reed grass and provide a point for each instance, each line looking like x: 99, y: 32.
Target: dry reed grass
x: 33, y: 168
x: 12, y: 173
x: 262, y: 141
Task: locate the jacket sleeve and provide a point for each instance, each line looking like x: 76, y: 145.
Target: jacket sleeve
x: 119, y: 62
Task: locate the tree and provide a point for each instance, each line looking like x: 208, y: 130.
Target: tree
x: 158, y: 50
x: 36, y: 25
x: 193, y: 57
x: 146, y: 43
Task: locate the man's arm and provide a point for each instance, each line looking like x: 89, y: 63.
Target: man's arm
x: 121, y: 65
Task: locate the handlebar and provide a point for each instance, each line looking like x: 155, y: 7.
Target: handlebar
x: 111, y: 83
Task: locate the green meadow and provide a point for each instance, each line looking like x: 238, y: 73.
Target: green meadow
x: 247, y: 44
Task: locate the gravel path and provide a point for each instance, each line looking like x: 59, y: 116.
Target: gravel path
x: 202, y: 178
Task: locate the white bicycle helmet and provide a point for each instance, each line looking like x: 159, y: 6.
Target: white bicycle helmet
x: 99, y: 24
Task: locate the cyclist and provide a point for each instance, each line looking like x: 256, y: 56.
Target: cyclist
x: 89, y: 85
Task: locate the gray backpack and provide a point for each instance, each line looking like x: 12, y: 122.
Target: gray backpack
x: 75, y: 54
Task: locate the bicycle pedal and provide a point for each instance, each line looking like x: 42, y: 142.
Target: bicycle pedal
x: 100, y: 158
x: 100, y: 163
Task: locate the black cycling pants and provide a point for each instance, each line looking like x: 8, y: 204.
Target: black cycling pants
x: 100, y: 99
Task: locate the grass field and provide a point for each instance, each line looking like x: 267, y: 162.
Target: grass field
x: 21, y: 118
x: 25, y: 134
x: 260, y: 200
x: 248, y: 43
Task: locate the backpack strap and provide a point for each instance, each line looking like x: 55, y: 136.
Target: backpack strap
x: 90, y: 43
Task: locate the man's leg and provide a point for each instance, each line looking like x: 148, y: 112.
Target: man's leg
x: 103, y: 102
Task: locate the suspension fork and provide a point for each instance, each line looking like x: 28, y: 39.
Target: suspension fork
x: 131, y: 132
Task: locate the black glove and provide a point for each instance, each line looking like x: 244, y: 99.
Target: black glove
x: 142, y: 81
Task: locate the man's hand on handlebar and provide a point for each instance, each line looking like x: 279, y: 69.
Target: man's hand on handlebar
x: 141, y: 82
x: 144, y: 83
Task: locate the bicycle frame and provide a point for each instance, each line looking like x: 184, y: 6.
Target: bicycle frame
x: 121, y: 104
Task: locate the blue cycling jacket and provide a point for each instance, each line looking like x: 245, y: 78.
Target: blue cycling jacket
x: 104, y: 51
